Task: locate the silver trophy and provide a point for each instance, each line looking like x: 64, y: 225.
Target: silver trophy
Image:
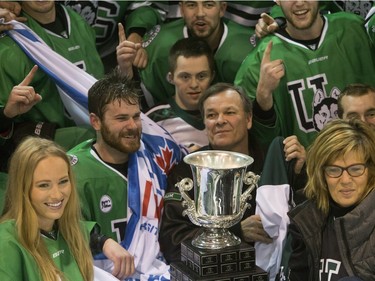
x: 219, y: 202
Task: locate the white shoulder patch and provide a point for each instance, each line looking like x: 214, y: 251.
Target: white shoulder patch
x: 73, y: 159
x: 150, y: 35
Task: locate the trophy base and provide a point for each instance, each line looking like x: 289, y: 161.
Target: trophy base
x: 215, y: 238
x: 181, y: 272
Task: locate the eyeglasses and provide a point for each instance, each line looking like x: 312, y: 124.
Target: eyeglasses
x: 355, y: 170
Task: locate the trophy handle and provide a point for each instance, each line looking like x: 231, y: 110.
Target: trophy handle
x: 251, y: 180
x: 186, y: 184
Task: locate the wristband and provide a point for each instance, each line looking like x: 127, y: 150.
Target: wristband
x: 6, y: 125
x: 281, y: 22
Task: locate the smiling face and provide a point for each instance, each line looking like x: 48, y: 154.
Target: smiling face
x: 191, y: 77
x: 226, y: 122
x: 121, y: 127
x: 42, y: 11
x: 50, y: 190
x: 346, y: 190
x: 203, y: 18
x: 303, y: 20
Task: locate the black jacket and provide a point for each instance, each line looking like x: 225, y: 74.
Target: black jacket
x: 355, y: 233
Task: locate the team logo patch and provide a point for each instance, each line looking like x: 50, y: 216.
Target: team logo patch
x: 253, y: 40
x: 173, y: 196
x: 87, y: 9
x: 324, y: 108
x: 105, y: 204
x: 73, y: 159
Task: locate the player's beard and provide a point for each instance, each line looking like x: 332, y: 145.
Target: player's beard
x: 203, y: 34
x: 119, y: 141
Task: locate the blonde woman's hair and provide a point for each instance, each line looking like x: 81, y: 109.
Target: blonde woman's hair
x: 18, y: 207
x: 337, y: 139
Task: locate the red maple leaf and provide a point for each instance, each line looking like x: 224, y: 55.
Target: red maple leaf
x: 164, y: 161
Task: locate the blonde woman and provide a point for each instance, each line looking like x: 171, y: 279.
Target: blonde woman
x: 42, y: 237
x: 333, y: 232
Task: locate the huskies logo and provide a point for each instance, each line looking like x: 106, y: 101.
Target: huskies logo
x: 87, y: 9
x: 324, y: 107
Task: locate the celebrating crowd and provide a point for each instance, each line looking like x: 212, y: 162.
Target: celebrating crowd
x: 101, y: 100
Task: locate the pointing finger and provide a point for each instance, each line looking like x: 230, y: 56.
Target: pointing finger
x: 29, y: 77
x: 121, y: 33
x: 267, y: 53
x: 267, y: 18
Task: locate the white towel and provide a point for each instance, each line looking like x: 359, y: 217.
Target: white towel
x: 272, y: 206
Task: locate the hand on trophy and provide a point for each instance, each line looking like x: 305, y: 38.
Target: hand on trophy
x: 252, y: 230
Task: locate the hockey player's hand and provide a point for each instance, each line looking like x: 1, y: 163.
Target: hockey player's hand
x: 126, y: 52
x: 22, y: 97
x: 253, y: 231
x: 9, y: 11
x: 266, y: 25
x: 294, y: 149
x: 271, y: 71
x: 122, y: 260
x: 141, y: 57
x: 11, y: 6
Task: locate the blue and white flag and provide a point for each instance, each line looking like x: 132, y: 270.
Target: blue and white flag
x: 71, y: 81
x: 148, y: 167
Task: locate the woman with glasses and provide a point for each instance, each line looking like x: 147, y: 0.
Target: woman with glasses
x: 333, y: 232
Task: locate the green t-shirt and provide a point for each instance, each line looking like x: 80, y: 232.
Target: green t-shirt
x: 16, y: 263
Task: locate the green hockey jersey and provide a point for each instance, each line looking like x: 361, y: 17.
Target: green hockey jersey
x: 103, y: 191
x: 104, y: 16
x: 306, y: 97
x: 161, y: 38
x: 186, y: 127
x: 78, y: 47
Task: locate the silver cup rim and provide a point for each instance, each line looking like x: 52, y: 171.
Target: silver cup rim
x: 246, y: 159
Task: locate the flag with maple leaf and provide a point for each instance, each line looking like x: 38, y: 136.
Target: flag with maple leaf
x: 148, y: 167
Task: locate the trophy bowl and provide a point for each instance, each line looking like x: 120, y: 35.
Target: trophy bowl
x: 219, y: 203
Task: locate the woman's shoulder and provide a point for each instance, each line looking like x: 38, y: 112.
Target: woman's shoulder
x: 9, y: 242
x: 15, y: 261
x: 7, y: 228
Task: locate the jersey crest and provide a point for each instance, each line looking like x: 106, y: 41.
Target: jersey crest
x: 323, y: 107
x: 87, y: 9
